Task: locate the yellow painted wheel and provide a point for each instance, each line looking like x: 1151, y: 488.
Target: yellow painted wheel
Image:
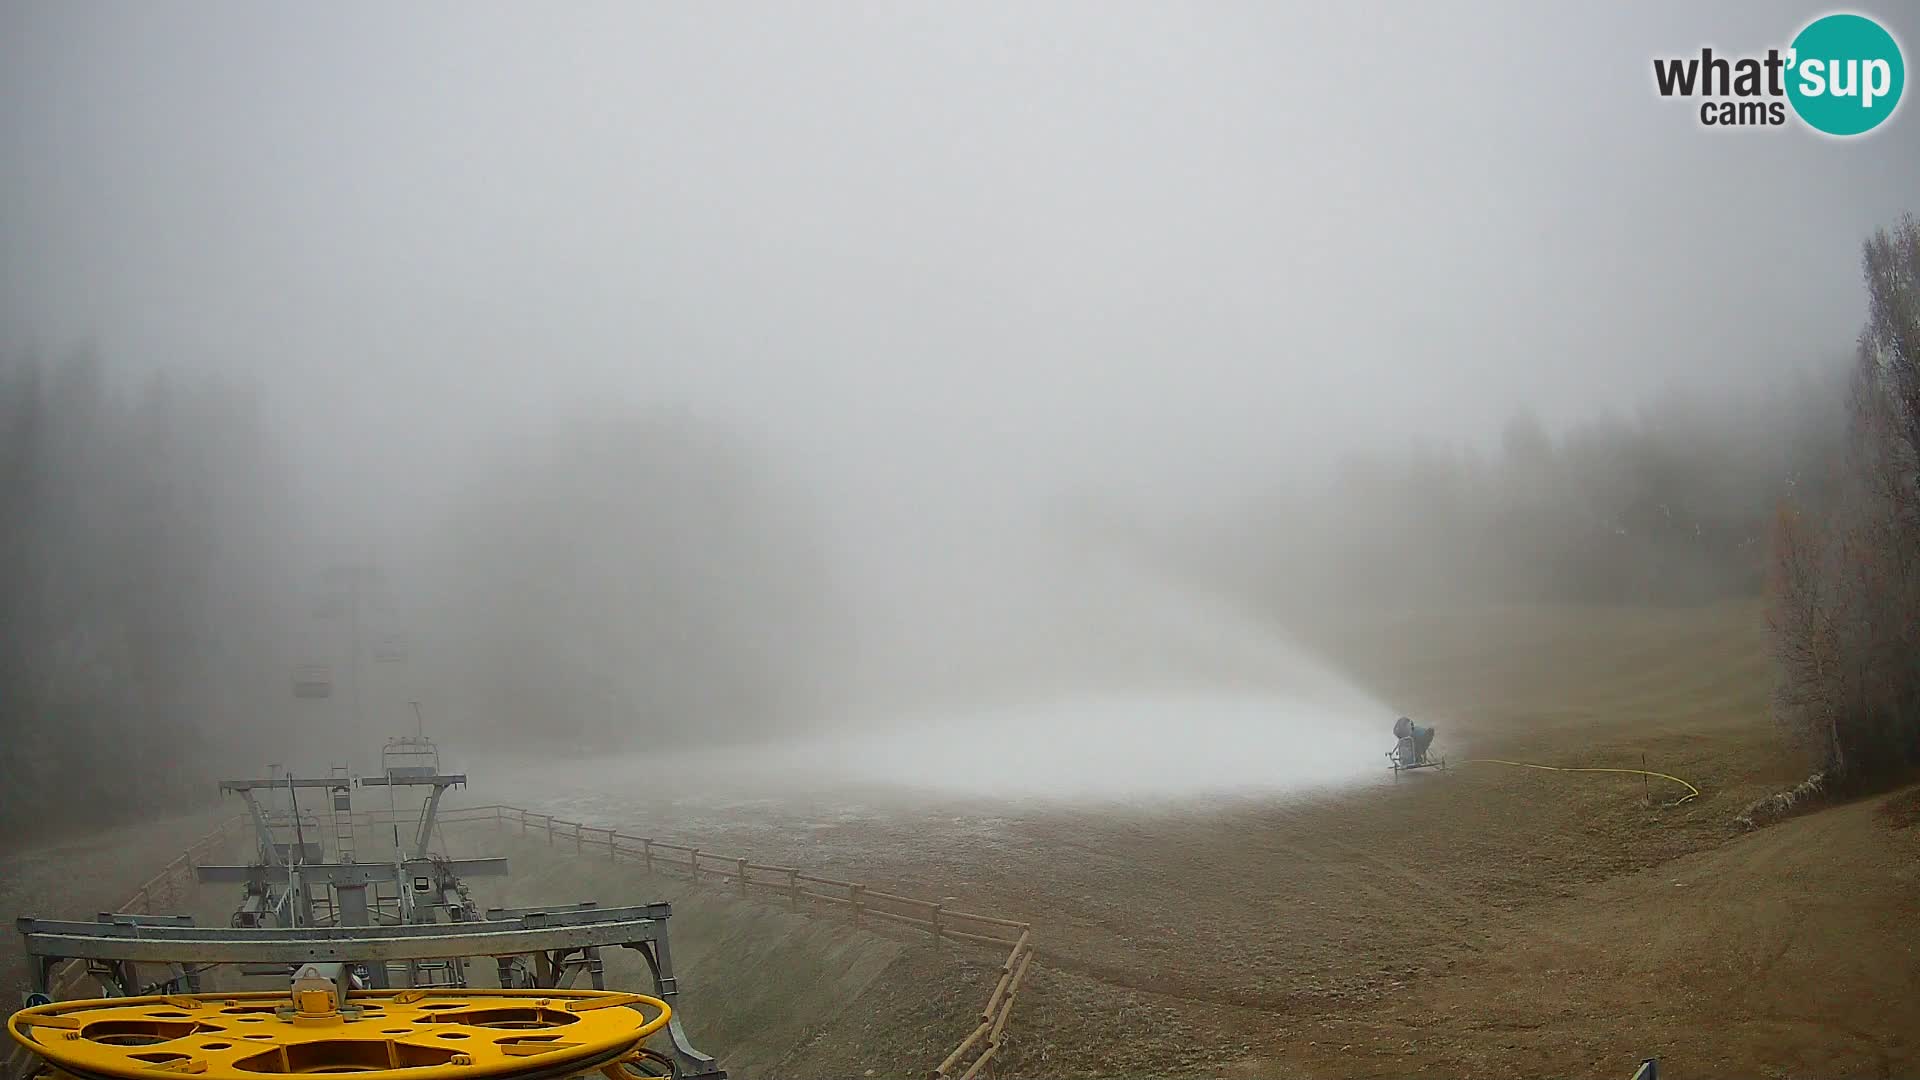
x: 385, y: 1034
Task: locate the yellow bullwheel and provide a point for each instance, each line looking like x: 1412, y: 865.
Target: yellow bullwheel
x: 387, y: 1034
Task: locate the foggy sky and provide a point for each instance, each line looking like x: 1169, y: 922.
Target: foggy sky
x: 1152, y: 250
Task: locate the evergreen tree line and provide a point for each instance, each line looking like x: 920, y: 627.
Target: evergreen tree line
x: 1803, y: 492
x: 1670, y: 505
x: 633, y: 581
x: 139, y: 575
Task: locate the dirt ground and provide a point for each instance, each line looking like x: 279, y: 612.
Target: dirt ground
x: 771, y: 992
x: 1485, y: 920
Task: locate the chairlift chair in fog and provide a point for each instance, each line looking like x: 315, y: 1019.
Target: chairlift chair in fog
x: 410, y: 756
x: 313, y: 681
x: 390, y: 648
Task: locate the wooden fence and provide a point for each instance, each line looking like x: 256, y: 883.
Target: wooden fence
x: 801, y: 890
x: 175, y: 881
x: 165, y: 891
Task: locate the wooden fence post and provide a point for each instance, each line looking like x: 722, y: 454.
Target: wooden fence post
x: 793, y: 889
x: 854, y: 893
x: 742, y: 865
x: 549, y: 828
x: 578, y: 845
x: 523, y: 823
x: 936, y: 922
x: 646, y: 853
x: 693, y: 863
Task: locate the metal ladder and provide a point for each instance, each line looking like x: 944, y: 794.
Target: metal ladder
x: 342, y: 797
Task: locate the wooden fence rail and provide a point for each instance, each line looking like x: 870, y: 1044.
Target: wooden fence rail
x: 982, y: 1044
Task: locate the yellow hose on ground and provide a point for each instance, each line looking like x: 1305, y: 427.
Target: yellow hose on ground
x: 1692, y: 792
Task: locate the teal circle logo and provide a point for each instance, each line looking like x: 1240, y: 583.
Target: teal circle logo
x: 1846, y: 74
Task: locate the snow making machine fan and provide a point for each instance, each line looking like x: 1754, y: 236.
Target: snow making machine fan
x: 1412, y: 748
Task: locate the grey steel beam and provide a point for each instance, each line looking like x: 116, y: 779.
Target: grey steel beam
x: 262, y: 831
x: 122, y: 918
x: 401, y: 778
x: 249, y: 785
x: 428, y: 816
x: 578, y: 914
x: 213, y: 945
x: 523, y: 912
x: 350, y: 873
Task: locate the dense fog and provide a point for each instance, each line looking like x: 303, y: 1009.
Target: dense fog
x: 620, y: 376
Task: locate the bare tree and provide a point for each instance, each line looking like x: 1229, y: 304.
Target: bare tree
x: 1845, y: 597
x: 1891, y: 341
x: 1806, y: 638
